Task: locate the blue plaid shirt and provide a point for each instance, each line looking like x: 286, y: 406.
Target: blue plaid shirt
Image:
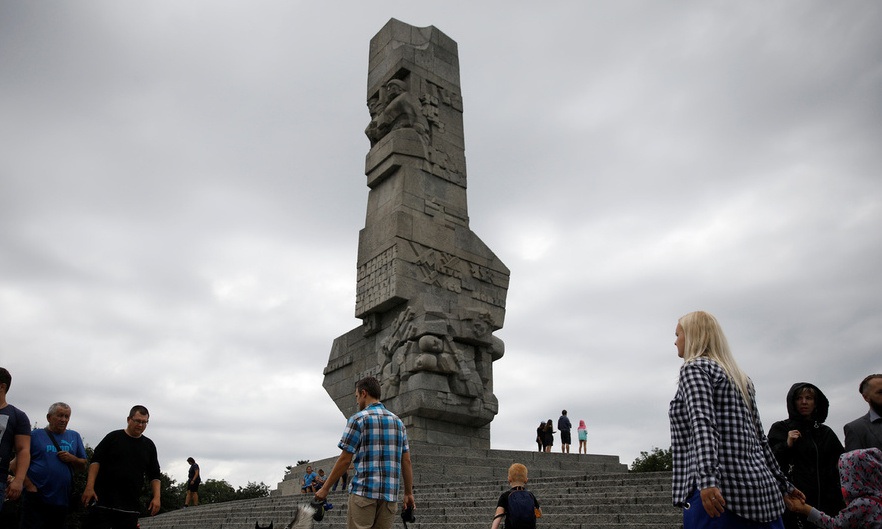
x: 718, y: 442
x: 378, y: 439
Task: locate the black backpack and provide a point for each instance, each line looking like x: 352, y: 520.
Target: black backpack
x: 521, y: 513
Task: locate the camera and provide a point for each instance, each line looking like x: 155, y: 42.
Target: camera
x: 407, y: 515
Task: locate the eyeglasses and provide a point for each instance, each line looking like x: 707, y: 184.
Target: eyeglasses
x: 139, y: 421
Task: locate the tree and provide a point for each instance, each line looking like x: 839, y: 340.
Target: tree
x: 656, y: 461
x: 253, y: 490
x: 216, y: 491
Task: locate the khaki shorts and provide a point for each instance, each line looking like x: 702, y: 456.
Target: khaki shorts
x: 367, y: 513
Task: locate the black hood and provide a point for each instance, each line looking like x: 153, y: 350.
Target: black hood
x: 822, y: 405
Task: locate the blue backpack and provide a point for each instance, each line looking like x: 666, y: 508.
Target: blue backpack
x: 521, y: 512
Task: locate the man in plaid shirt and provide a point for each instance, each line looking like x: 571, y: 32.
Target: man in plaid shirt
x: 377, y: 440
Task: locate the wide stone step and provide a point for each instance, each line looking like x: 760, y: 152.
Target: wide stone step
x: 619, y: 501
x: 557, y: 519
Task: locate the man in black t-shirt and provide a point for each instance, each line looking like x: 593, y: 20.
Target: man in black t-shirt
x: 120, y: 464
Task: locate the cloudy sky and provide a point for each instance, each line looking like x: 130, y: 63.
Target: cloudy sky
x: 181, y: 189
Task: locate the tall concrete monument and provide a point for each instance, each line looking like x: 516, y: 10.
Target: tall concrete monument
x: 429, y: 292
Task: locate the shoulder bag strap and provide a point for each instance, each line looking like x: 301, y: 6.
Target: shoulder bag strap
x: 52, y: 438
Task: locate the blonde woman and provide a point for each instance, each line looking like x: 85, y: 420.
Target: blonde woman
x: 723, y: 466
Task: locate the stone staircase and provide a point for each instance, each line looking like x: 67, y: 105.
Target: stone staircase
x: 459, y: 491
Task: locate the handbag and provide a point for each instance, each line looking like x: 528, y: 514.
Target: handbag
x: 73, y: 501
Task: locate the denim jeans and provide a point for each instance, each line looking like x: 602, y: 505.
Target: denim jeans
x: 695, y: 517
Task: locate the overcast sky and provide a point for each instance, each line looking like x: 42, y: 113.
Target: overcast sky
x: 182, y: 185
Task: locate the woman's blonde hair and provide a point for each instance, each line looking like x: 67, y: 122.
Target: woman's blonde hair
x: 704, y: 338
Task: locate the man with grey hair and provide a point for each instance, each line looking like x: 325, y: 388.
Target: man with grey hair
x: 56, y: 453
x: 866, y: 431
x: 15, y: 440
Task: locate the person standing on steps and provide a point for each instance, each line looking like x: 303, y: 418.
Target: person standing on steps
x: 194, y: 478
x: 517, y: 506
x: 583, y: 437
x: 564, y: 425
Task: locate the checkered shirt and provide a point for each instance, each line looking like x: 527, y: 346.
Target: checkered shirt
x: 717, y: 442
x: 378, y: 439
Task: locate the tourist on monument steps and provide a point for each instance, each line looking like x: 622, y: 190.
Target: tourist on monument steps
x: 517, y: 506
x: 319, y: 479
x: 548, y: 436
x: 723, y: 465
x: 306, y: 482
x: 193, y: 481
x: 540, y: 436
x: 808, y: 451
x: 583, y: 437
x: 564, y: 425
x: 375, y: 440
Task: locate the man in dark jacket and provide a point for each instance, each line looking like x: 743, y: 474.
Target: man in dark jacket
x: 808, y: 451
x: 866, y: 431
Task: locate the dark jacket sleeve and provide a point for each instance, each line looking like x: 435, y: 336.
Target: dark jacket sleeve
x: 778, y: 443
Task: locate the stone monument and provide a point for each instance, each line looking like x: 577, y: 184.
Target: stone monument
x: 429, y: 292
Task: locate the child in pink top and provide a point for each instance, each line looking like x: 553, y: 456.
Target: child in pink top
x: 860, y: 473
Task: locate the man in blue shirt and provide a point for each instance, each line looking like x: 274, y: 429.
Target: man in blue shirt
x: 56, y: 453
x: 376, y: 440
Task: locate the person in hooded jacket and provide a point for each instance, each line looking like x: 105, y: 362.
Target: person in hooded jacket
x: 808, y: 451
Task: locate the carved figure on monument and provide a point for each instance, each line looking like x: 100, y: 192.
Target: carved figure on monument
x: 429, y: 292
x: 402, y: 111
x: 372, y: 131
